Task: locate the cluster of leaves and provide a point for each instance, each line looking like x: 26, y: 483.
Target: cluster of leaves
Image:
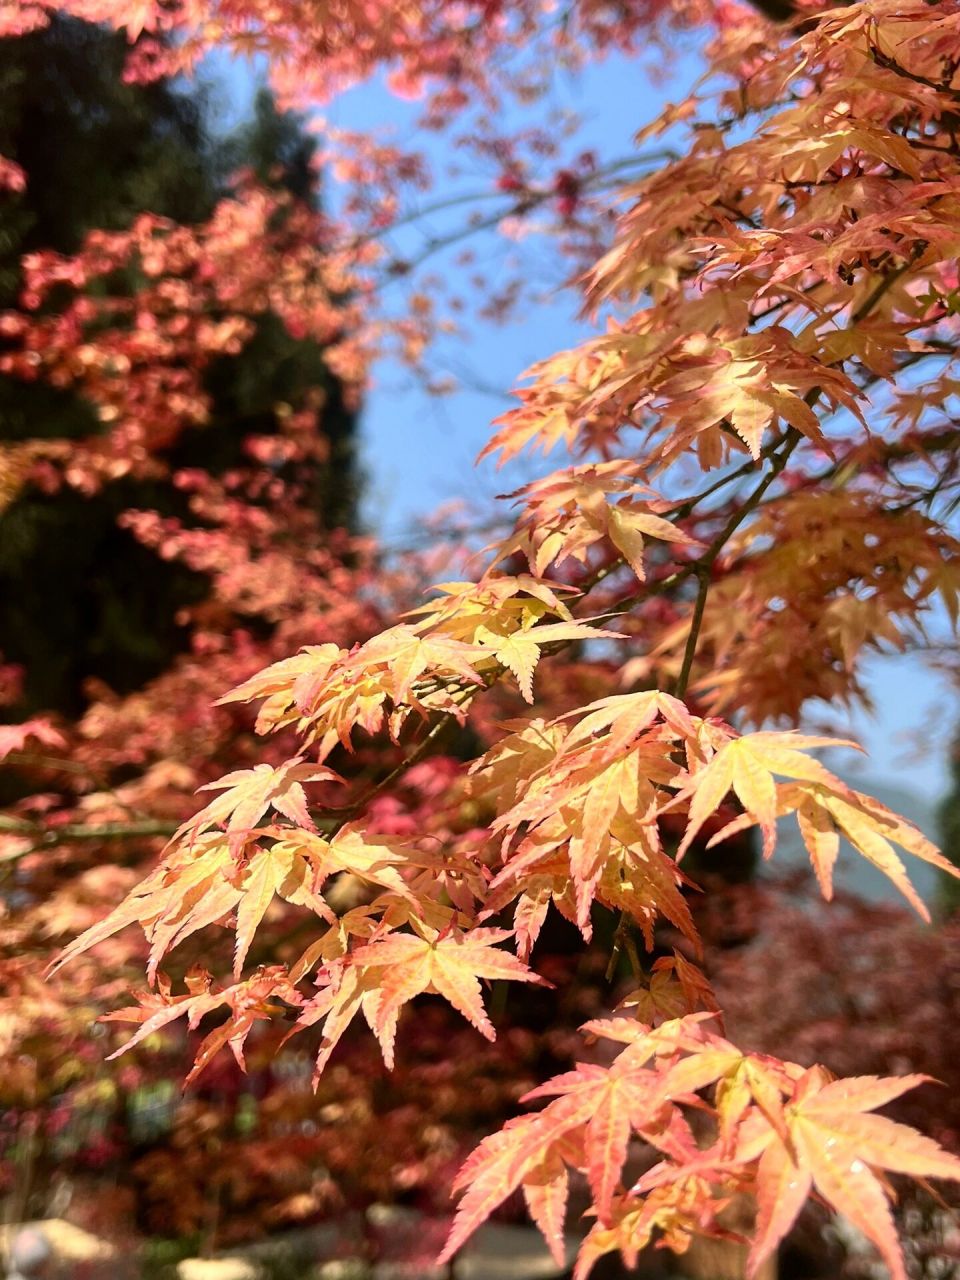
x: 465, y: 65
x: 820, y: 988
x: 320, y: 54
x: 138, y: 355
x: 578, y: 822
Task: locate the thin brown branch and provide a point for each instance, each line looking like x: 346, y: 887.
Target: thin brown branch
x: 46, y: 837
x: 526, y: 202
x: 693, y: 635
x: 704, y: 565
x: 430, y: 739
x: 35, y: 760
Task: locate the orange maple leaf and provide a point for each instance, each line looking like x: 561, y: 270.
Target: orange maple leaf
x: 450, y: 964
x: 839, y: 1148
x: 249, y: 793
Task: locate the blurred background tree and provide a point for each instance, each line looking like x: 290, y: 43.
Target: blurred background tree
x: 96, y: 152
x: 101, y: 623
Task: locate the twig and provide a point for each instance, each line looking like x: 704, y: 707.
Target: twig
x: 704, y: 565
x: 429, y: 740
x: 696, y: 621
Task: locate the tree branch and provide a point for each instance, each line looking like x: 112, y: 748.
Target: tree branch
x: 704, y: 565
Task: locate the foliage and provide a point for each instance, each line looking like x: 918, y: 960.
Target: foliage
x: 135, y: 646
x: 780, y: 299
x: 820, y: 987
x: 101, y: 426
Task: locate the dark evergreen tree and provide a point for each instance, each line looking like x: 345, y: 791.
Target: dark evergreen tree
x: 948, y: 889
x: 276, y: 367
x: 81, y: 597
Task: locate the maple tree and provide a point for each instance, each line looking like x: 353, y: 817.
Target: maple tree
x: 780, y: 301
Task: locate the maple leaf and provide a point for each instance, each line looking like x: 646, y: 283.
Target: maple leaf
x: 871, y: 828
x: 282, y: 871
x: 156, y: 1009
x: 587, y: 1125
x: 641, y: 880
x: 511, y: 765
x: 286, y: 685
x: 493, y: 1169
x: 610, y: 1104
x: 249, y: 793
x: 811, y: 1132
x: 191, y: 907
x: 827, y: 809
x: 374, y: 859
x: 409, y: 655
x: 497, y: 600
x: 14, y: 737
x: 130, y: 911
x: 527, y: 1148
x: 624, y: 716
x: 837, y: 1147
x: 628, y: 527
x: 187, y: 892
x: 345, y: 990
x: 567, y: 513
x: 450, y: 965
x: 249, y: 1002
x: 676, y: 987
x: 679, y: 1211
x: 747, y: 766
x: 599, y: 808
x: 519, y: 651
x: 545, y: 1190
